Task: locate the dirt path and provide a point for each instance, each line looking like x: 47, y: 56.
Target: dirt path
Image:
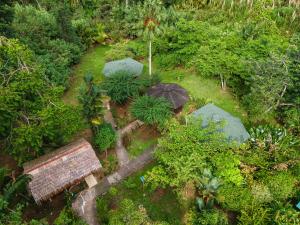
x: 85, y: 203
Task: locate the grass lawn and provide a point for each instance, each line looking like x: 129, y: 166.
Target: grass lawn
x: 161, y: 205
x: 91, y: 62
x: 209, y: 89
x: 199, y: 87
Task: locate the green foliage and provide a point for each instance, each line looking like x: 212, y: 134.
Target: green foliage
x: 211, y: 217
x: 110, y: 164
x: 281, y: 185
x: 105, y: 137
x: 286, y: 216
x: 228, y: 169
x: 122, y: 86
x: 118, y: 51
x: 255, y: 215
x: 14, y: 217
x: 270, y: 73
x: 66, y: 217
x: 185, y: 151
x: 32, y: 114
x: 89, y: 31
x: 128, y: 213
x: 92, y: 101
x: 208, y: 187
x: 102, y: 210
x: 6, y: 12
x: 49, y: 33
x: 154, y: 111
x: 234, y: 197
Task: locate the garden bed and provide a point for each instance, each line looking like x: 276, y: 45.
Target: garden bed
x: 121, y: 113
x: 141, y: 139
x: 160, y: 204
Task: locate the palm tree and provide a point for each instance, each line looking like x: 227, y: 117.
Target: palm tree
x: 153, y: 16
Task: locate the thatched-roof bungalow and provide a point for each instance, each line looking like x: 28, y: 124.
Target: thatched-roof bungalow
x: 58, y: 170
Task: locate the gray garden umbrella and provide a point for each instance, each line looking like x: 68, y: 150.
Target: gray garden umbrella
x: 129, y: 65
x: 233, y: 129
x: 175, y: 94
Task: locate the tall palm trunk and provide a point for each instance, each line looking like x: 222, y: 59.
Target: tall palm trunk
x: 150, y: 58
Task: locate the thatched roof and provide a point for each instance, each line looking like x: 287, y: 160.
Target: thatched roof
x: 128, y: 65
x: 60, y: 169
x: 174, y: 93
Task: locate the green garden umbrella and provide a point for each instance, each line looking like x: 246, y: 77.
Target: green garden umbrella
x: 233, y: 128
x: 129, y: 65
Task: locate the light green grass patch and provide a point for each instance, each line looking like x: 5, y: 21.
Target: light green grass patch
x: 92, y: 62
x: 209, y: 89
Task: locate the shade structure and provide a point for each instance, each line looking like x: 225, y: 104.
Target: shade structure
x: 174, y: 93
x: 129, y: 65
x: 233, y: 128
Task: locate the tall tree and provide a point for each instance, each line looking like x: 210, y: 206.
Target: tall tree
x: 153, y: 17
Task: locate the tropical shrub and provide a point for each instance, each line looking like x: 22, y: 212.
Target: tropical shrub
x: 211, y: 217
x: 121, y: 86
x: 281, y: 185
x: 67, y: 217
x: 287, y: 215
x: 151, y: 110
x: 91, y: 99
x: 254, y: 214
x: 32, y: 113
x: 118, y: 51
x: 105, y: 137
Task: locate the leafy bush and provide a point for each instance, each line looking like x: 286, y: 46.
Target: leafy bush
x: 254, y: 214
x: 66, y: 217
x: 151, y: 110
x: 287, y: 216
x: 102, y: 210
x: 105, y: 137
x: 281, y: 185
x: 211, y: 217
x: 121, y: 86
x: 91, y: 99
x: 89, y: 32
x: 118, y: 51
x: 234, y: 197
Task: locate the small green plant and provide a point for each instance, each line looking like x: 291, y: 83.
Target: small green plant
x: 151, y: 110
x: 212, y: 217
x: 105, y: 137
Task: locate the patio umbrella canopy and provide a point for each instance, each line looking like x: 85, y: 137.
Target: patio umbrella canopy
x: 175, y: 94
x: 129, y: 65
x: 233, y: 129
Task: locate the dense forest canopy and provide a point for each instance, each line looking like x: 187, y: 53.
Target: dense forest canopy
x: 250, y: 48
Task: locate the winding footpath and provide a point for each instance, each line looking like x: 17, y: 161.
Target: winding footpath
x: 85, y: 203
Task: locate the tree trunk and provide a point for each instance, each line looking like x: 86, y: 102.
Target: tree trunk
x: 126, y: 3
x: 150, y: 58
x: 223, y: 82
